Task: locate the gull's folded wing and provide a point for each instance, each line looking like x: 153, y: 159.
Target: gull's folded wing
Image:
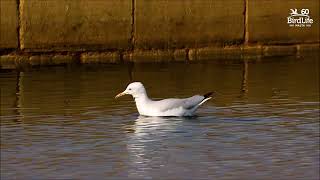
x: 187, y: 103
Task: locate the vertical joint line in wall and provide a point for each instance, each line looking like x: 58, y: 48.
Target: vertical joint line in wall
x: 20, y: 4
x: 132, y: 24
x: 246, y: 25
x: 19, y: 23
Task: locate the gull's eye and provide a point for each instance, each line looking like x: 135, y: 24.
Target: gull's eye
x: 129, y: 89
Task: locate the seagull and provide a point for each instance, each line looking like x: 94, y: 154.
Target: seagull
x: 164, y: 107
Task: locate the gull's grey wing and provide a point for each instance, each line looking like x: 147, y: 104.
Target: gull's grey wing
x: 187, y: 103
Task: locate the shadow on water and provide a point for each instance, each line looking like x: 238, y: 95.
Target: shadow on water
x: 64, y: 122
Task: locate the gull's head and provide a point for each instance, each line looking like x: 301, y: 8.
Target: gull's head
x: 135, y: 89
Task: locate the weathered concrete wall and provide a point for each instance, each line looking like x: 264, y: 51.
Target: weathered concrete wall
x: 75, y: 25
x: 9, y: 24
x: 152, y: 30
x: 179, y: 24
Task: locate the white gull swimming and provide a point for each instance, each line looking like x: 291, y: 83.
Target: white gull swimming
x: 165, y: 107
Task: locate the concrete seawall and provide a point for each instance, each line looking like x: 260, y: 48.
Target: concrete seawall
x: 54, y: 32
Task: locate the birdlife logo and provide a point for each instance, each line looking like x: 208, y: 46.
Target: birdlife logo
x: 299, y: 20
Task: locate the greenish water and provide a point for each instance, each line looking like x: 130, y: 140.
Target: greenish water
x: 63, y: 122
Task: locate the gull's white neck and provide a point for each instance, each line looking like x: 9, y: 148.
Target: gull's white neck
x: 142, y: 100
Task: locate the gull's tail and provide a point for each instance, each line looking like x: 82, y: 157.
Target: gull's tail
x: 207, y: 95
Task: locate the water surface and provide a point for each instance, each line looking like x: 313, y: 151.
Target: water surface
x: 63, y: 122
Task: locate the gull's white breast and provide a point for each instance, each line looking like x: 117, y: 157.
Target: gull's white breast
x: 151, y: 108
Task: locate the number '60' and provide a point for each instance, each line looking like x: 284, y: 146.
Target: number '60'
x: 304, y: 11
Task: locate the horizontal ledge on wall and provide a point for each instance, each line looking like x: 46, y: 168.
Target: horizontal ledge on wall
x: 14, y: 60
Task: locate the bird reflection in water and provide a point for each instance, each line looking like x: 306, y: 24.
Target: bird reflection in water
x: 146, y: 141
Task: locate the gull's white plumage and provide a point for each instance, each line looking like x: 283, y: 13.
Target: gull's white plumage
x: 165, y: 107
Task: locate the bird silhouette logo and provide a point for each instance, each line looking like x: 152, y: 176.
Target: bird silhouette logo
x: 294, y: 12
